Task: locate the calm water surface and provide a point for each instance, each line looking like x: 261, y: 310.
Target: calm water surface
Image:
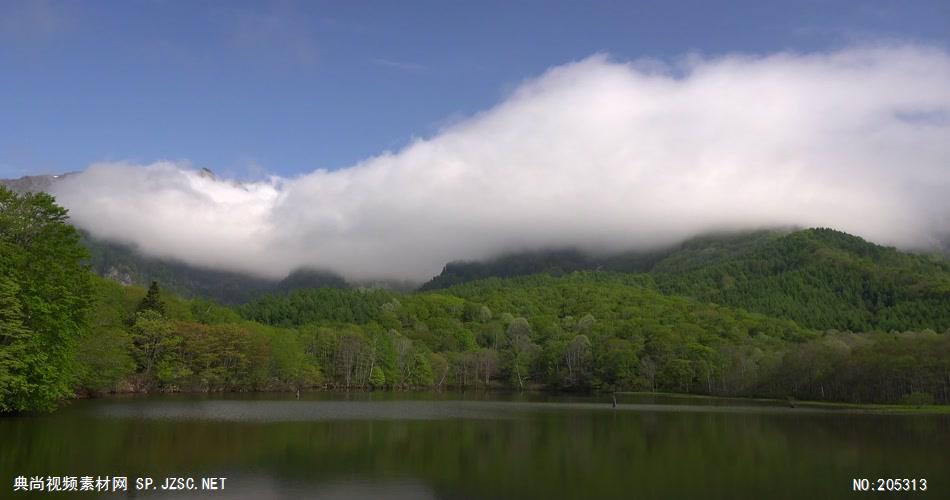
x: 373, y: 445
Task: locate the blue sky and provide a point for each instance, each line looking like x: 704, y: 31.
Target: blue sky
x: 245, y: 88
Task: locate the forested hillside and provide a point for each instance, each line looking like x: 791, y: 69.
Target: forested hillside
x: 553, y: 262
x: 584, y: 331
x: 126, y: 265
x: 820, y: 278
x: 557, y: 262
x: 65, y: 331
x: 594, y: 330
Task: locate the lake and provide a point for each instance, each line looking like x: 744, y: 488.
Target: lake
x: 474, y: 445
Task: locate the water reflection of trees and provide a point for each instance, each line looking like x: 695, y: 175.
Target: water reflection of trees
x: 537, y: 453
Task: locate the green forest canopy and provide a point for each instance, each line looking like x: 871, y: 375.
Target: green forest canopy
x: 45, y: 295
x: 815, y: 314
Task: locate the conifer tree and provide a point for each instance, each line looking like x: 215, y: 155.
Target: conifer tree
x: 153, y: 300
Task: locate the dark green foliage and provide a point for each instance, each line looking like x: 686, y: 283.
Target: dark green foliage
x: 317, y: 305
x: 221, y: 357
x: 684, y: 327
x: 909, y: 367
x: 918, y: 399
x: 13, y: 343
x: 104, y: 354
x: 127, y: 265
x: 153, y: 300
x: 305, y: 279
x: 820, y: 278
x: 578, y: 331
x: 602, y: 331
x: 553, y: 262
x: 45, y: 294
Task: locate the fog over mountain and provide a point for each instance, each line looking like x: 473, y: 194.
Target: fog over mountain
x: 598, y: 154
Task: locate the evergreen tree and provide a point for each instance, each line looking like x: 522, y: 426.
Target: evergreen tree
x: 153, y: 300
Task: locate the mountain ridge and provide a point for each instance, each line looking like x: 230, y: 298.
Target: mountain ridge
x: 819, y: 277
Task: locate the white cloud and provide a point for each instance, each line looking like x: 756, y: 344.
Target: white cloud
x: 596, y: 154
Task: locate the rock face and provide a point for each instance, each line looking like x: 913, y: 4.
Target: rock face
x: 123, y: 277
x: 33, y: 183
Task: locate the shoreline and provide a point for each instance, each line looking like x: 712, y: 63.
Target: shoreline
x: 831, y: 405
x: 875, y: 408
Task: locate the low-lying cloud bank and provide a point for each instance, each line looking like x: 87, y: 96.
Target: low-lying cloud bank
x: 596, y: 154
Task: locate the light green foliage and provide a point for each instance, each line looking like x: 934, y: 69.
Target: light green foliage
x: 13, y: 335
x: 585, y: 323
x: 211, y: 313
x: 155, y: 347
x: 593, y: 330
x: 519, y: 327
x: 228, y: 357
x: 440, y: 369
x: 290, y: 366
x: 104, y: 353
x: 579, y: 331
x: 45, y: 294
x: 377, y: 378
